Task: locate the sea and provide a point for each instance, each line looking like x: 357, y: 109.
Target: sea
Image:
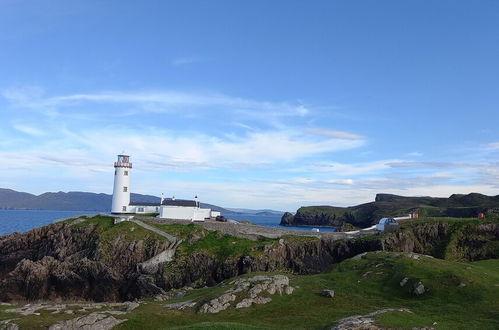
x: 24, y: 220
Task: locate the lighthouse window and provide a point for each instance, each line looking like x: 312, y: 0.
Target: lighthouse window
x: 124, y: 208
x: 125, y: 173
x: 115, y: 172
x: 125, y: 189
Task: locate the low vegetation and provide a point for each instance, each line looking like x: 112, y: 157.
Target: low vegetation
x: 457, y: 294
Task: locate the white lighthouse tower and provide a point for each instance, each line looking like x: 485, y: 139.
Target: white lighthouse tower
x: 121, y: 190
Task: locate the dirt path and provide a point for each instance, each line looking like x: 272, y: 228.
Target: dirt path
x: 169, y: 237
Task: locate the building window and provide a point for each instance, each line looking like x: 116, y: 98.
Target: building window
x: 125, y: 189
x: 115, y: 172
x: 141, y: 209
x: 125, y: 173
x: 124, y: 209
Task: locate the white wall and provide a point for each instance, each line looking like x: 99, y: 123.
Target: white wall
x: 146, y: 209
x: 120, y: 198
x: 184, y: 213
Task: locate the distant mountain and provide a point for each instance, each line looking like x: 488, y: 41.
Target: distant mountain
x: 71, y: 201
x: 387, y: 205
x: 255, y: 212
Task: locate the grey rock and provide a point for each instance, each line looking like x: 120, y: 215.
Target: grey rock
x: 180, y: 294
x: 218, y: 304
x: 288, y: 290
x: 364, y: 322
x: 93, y: 321
x: 262, y: 300
x: 327, y: 293
x: 404, y: 281
x: 130, y: 306
x: 419, y: 289
x: 8, y: 325
x: 247, y: 302
x: 181, y: 305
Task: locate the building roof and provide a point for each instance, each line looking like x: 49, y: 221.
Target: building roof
x: 385, y: 221
x: 179, y: 202
x: 143, y: 204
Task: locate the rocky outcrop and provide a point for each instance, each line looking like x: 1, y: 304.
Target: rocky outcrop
x: 93, y: 321
x: 364, y: 322
x: 254, y: 289
x: 470, y: 242
x: 61, y: 261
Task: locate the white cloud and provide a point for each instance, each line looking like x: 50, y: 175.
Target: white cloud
x: 493, y: 145
x: 30, y: 130
x: 336, y: 134
x: 155, y: 101
x: 345, y: 169
x: 414, y: 154
x: 340, y: 181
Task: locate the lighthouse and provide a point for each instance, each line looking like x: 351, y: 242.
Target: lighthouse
x: 121, y: 190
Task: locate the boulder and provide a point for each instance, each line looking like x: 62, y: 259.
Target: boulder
x: 218, y: 304
x: 419, y: 289
x: 404, y: 281
x: 327, y: 293
x: 247, y: 302
x: 288, y: 290
x: 7, y: 325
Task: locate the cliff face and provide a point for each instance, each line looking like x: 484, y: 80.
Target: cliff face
x: 360, y: 216
x: 469, y: 242
x: 86, y: 262
x: 63, y: 261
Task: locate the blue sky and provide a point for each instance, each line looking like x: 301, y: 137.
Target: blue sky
x: 253, y: 104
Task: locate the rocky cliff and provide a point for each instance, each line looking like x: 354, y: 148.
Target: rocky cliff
x: 468, y: 241
x: 94, y: 260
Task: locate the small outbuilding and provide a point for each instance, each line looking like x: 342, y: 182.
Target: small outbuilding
x: 387, y: 224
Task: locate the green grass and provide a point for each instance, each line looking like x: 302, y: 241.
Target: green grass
x: 197, y: 239
x: 473, y: 306
x: 361, y: 286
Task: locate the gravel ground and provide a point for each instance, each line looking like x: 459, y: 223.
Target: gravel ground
x: 253, y: 231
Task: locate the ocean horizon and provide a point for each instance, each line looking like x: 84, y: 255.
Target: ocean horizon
x: 24, y: 220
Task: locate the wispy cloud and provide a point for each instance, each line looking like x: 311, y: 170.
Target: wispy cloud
x: 30, y: 130
x: 181, y: 61
x: 493, y: 145
x: 336, y: 134
x: 155, y: 101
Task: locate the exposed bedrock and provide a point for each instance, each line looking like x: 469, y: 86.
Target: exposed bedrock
x: 64, y: 262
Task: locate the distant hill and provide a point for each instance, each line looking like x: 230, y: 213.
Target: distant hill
x: 387, y: 205
x: 70, y: 201
x: 255, y: 212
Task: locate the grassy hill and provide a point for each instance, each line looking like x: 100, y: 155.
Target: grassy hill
x: 458, y: 296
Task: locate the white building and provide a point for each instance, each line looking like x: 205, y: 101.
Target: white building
x: 166, y: 209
